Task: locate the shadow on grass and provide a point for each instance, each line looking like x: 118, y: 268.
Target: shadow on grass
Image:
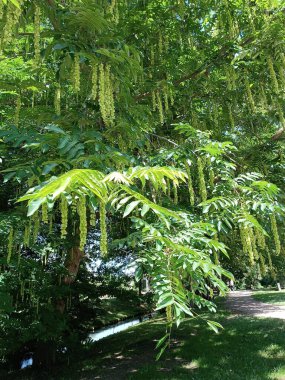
x: 247, y: 349
x: 273, y: 297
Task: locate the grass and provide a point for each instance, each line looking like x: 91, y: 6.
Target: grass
x: 115, y: 310
x: 270, y: 296
x: 247, y: 348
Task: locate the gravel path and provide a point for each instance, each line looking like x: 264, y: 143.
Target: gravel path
x: 242, y: 302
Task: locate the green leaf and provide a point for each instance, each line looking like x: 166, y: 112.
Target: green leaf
x: 130, y: 207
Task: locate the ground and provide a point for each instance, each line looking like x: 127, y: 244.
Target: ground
x: 248, y: 348
x: 249, y: 303
x: 272, y: 297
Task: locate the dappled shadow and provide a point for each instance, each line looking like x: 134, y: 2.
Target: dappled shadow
x: 242, y: 302
x: 247, y: 348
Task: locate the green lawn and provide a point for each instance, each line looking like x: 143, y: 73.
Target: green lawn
x: 270, y: 296
x: 247, y: 349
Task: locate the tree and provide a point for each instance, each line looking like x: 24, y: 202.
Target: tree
x: 137, y: 106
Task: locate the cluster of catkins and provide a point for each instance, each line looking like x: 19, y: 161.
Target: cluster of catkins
x: 106, y: 96
x: 160, y: 101
x: 11, y: 15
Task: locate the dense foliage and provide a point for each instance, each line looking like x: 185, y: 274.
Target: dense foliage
x: 143, y: 129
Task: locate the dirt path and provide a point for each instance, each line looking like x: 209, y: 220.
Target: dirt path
x: 242, y: 302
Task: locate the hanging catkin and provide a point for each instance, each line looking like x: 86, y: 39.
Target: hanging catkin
x: 103, y: 229
x: 202, y: 184
x: 27, y: 233
x: 64, y: 217
x: 169, y: 313
x: 263, y: 98
x: 260, y: 239
x: 18, y: 110
x: 280, y: 113
x: 57, y: 105
x: 245, y: 237
x: 12, y: 18
x: 44, y: 213
x: 231, y: 118
x: 76, y: 73
x: 272, y: 75
x: 82, y: 221
x: 37, y: 31
x: 281, y: 75
x: 109, y: 98
x: 160, y: 107
x: 249, y: 94
x: 1, y: 9
x: 106, y: 97
x: 94, y: 81
x: 274, y: 230
x: 262, y: 265
x: 190, y: 184
x: 175, y: 194
x: 165, y: 98
x: 36, y: 227
x: 153, y: 98
x: 92, y: 217
x: 10, y: 244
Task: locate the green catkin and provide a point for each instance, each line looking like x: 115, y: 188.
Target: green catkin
x: 64, y: 217
x: 175, y: 194
x: 171, y: 96
x: 103, y: 229
x: 160, y: 107
x: 153, y: 98
x: 260, y: 239
x: 160, y: 43
x: 253, y: 243
x: 169, y: 313
x: 44, y: 213
x: 272, y: 75
x: 50, y: 227
x: 215, y: 116
x: 190, y: 184
x: 211, y: 175
x: 12, y: 18
x: 106, y: 97
x: 152, y: 59
x: 281, y: 75
x: 1, y: 9
x: 271, y: 268
x: 263, y: 98
x: 92, y: 217
x: 36, y: 227
x: 102, y: 101
x: 57, y: 105
x: 165, y: 98
x: 94, y: 81
x: 17, y: 110
x: 231, y: 118
x: 245, y: 236
x: 10, y: 244
x: 262, y: 265
x: 274, y: 230
x: 202, y: 184
x: 82, y: 221
x: 282, y: 60
x: 281, y: 115
x: 27, y: 233
x: 37, y: 31
x: 168, y: 188
x: 109, y: 97
x: 76, y: 73
x: 249, y: 94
